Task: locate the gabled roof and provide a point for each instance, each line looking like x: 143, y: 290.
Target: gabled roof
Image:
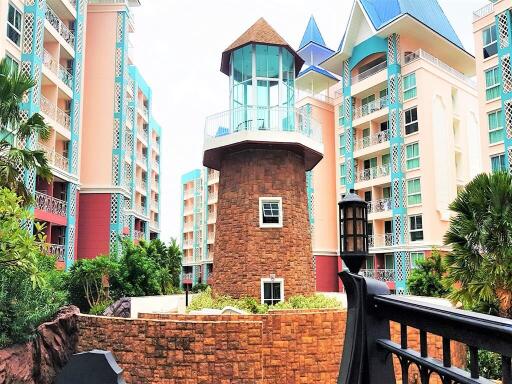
x: 259, y: 33
x: 312, y: 34
x: 318, y: 70
x: 428, y: 12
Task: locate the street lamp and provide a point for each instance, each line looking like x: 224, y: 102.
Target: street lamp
x: 353, y: 213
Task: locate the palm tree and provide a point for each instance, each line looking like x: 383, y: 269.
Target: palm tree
x: 480, y: 234
x: 13, y: 129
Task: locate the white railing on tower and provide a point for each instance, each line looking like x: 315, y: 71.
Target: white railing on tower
x: 376, y: 138
x: 59, y: 26
x: 373, y: 173
x: 380, y: 205
x: 375, y: 241
x: 371, y: 107
x: 50, y: 204
x: 484, y: 11
x: 379, y: 274
x: 369, y: 72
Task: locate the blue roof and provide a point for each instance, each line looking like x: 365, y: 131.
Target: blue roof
x: 318, y: 70
x: 312, y: 34
x: 428, y: 12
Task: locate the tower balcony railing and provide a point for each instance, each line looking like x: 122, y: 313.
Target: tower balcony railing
x: 188, y: 243
x: 213, y: 177
x: 373, y: 173
x: 421, y: 54
x: 212, y: 197
x: 379, y: 274
x: 211, y: 237
x: 377, y: 241
x: 143, y: 133
x: 188, y: 211
x: 302, y: 94
x: 371, y: 107
x: 154, y: 205
x: 484, y: 11
x: 376, y: 138
x: 140, y: 209
x: 56, y: 250
x: 187, y: 276
x: 55, y: 113
x: 155, y: 165
x: 142, y: 158
x: 252, y: 118
x: 54, y: 158
x: 209, y: 255
x: 59, y: 26
x: 188, y: 227
x: 57, y: 69
x: 188, y: 193
x: 138, y: 235
x: 212, y: 216
x: 369, y: 72
x: 50, y: 204
x: 381, y: 205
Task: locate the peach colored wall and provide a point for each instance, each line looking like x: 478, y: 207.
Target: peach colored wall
x: 98, y: 110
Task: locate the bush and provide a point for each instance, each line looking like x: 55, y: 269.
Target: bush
x: 489, y: 364
x: 427, y: 278
x: 99, y: 308
x: 199, y: 288
x: 309, y: 302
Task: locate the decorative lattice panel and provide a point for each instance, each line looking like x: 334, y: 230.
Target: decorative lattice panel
x: 503, y: 31
x: 115, y: 169
x: 117, y: 98
x: 39, y: 37
x: 349, y: 170
x: 120, y: 28
x: 346, y: 73
x: 28, y: 31
x: 397, y: 229
x: 399, y: 266
x: 404, y: 192
x: 398, y: 50
x: 399, y: 86
x: 395, y: 193
x: 72, y: 199
x: 509, y: 151
x: 76, y: 119
x: 117, y: 134
x: 391, y: 50
x: 114, y: 208
x: 71, y: 244
x: 74, y: 156
x: 348, y: 140
x: 508, y: 118
x: 395, y: 158
x: 78, y: 71
x: 392, y: 89
x: 119, y: 61
x: 31, y: 179
x: 347, y: 108
x: 506, y: 73
x: 394, y: 121
x: 79, y: 42
x: 81, y: 5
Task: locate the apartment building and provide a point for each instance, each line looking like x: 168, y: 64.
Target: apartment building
x: 493, y: 46
x: 199, y: 194
x: 120, y: 168
x: 407, y: 127
x: 45, y: 40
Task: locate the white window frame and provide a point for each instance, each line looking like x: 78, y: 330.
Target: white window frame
x: 500, y: 128
x: 270, y: 199
x: 413, y: 264
x: 492, y: 86
x: 411, y: 122
x: 492, y: 42
x: 409, y: 194
x: 264, y: 280
x: 405, y: 90
x: 416, y: 230
x: 413, y: 158
x: 20, y: 30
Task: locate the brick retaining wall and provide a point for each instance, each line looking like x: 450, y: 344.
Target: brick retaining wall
x: 279, y: 347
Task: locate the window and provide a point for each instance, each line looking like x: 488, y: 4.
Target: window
x: 415, y: 257
x: 14, y: 25
x: 411, y: 121
x: 342, y: 144
x: 272, y: 291
x: 490, y: 44
x: 271, y: 212
x: 409, y: 86
x: 416, y: 225
x: 340, y: 115
x: 413, y: 156
x: 343, y: 178
x: 386, y: 192
x: 413, y: 192
x: 389, y: 261
x: 498, y: 163
x: 492, y: 84
x: 13, y: 63
x: 383, y: 93
x: 385, y: 160
x: 364, y: 103
x: 495, y: 126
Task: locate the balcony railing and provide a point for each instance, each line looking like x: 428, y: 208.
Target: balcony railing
x: 188, y: 243
x: 275, y: 119
x: 56, y: 250
x: 188, y: 193
x: 212, y: 216
x: 50, y: 204
x: 145, y: 111
x: 213, y: 177
x: 338, y: 93
x: 212, y: 197
x: 154, y: 205
x: 141, y: 184
x: 211, y: 237
x: 140, y: 209
x: 375, y: 241
x: 54, y: 158
x: 142, y: 159
x: 484, y: 11
x: 155, y: 165
x: 371, y: 107
x: 209, y: 256
x: 59, y: 26
x: 187, y: 276
x: 55, y: 113
x: 379, y: 274
x: 53, y: 65
x: 381, y: 205
x: 421, y: 54
x: 299, y: 95
x: 376, y: 138
x: 370, y: 72
x: 187, y: 227
x: 373, y: 173
x: 138, y: 235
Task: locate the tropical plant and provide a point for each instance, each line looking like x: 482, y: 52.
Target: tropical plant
x: 14, y: 160
x: 480, y: 234
x: 427, y: 278
x: 168, y: 258
x: 199, y: 288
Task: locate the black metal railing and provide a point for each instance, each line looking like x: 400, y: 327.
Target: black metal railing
x: 368, y: 349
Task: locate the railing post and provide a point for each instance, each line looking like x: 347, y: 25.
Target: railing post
x: 363, y: 362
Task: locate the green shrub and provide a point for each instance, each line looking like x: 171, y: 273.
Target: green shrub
x: 99, y: 308
x: 317, y: 301
x: 489, y: 364
x: 199, y: 288
x: 427, y: 278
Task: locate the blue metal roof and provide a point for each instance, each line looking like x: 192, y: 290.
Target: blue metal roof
x: 312, y: 34
x: 428, y: 12
x: 318, y: 70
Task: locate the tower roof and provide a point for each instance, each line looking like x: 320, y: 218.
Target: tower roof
x: 312, y: 34
x: 259, y: 33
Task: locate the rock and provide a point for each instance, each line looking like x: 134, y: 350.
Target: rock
x: 38, y: 361
x: 121, y: 308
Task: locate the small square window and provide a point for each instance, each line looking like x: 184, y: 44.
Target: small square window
x: 272, y: 291
x: 271, y: 212
x: 411, y: 121
x: 416, y: 227
x: 14, y: 25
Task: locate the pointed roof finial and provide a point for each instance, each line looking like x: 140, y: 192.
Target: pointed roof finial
x: 312, y: 34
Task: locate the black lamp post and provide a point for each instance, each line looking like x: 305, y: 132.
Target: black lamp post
x: 353, y: 213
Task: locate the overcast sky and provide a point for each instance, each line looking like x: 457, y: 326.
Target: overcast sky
x: 178, y: 45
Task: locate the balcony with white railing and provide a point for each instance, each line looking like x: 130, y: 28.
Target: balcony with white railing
x: 262, y: 125
x: 138, y: 235
x: 211, y: 237
x: 154, y: 206
x: 187, y: 227
x: 56, y: 250
x: 142, y: 185
x: 155, y: 166
x: 188, y: 210
x: 421, y: 54
x: 140, y: 209
x: 213, y: 197
x: 188, y: 193
x: 376, y: 138
x: 188, y: 243
x: 54, y: 158
x: 209, y: 255
x: 379, y: 274
x: 373, y: 173
x: 380, y: 241
x: 381, y: 205
x: 302, y: 94
x: 57, y: 69
x: 212, y: 217
x: 50, y: 204
x: 213, y: 177
x: 371, y: 107
x: 484, y: 11
x: 142, y: 159
x: 369, y: 72
x: 55, y: 113
x: 59, y: 26
x: 187, y: 276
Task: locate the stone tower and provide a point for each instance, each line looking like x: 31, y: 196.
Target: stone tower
x: 262, y: 147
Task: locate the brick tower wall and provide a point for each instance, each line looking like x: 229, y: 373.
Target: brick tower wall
x: 244, y: 252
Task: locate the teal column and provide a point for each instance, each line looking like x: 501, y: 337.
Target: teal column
x: 397, y: 152
x: 347, y: 108
x: 504, y: 32
x: 130, y: 171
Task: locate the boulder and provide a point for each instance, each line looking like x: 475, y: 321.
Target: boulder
x: 121, y: 308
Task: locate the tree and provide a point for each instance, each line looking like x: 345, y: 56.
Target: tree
x: 13, y: 160
x: 480, y: 234
x: 427, y: 278
x: 168, y: 257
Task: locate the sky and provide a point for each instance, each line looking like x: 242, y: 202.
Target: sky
x: 178, y: 46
